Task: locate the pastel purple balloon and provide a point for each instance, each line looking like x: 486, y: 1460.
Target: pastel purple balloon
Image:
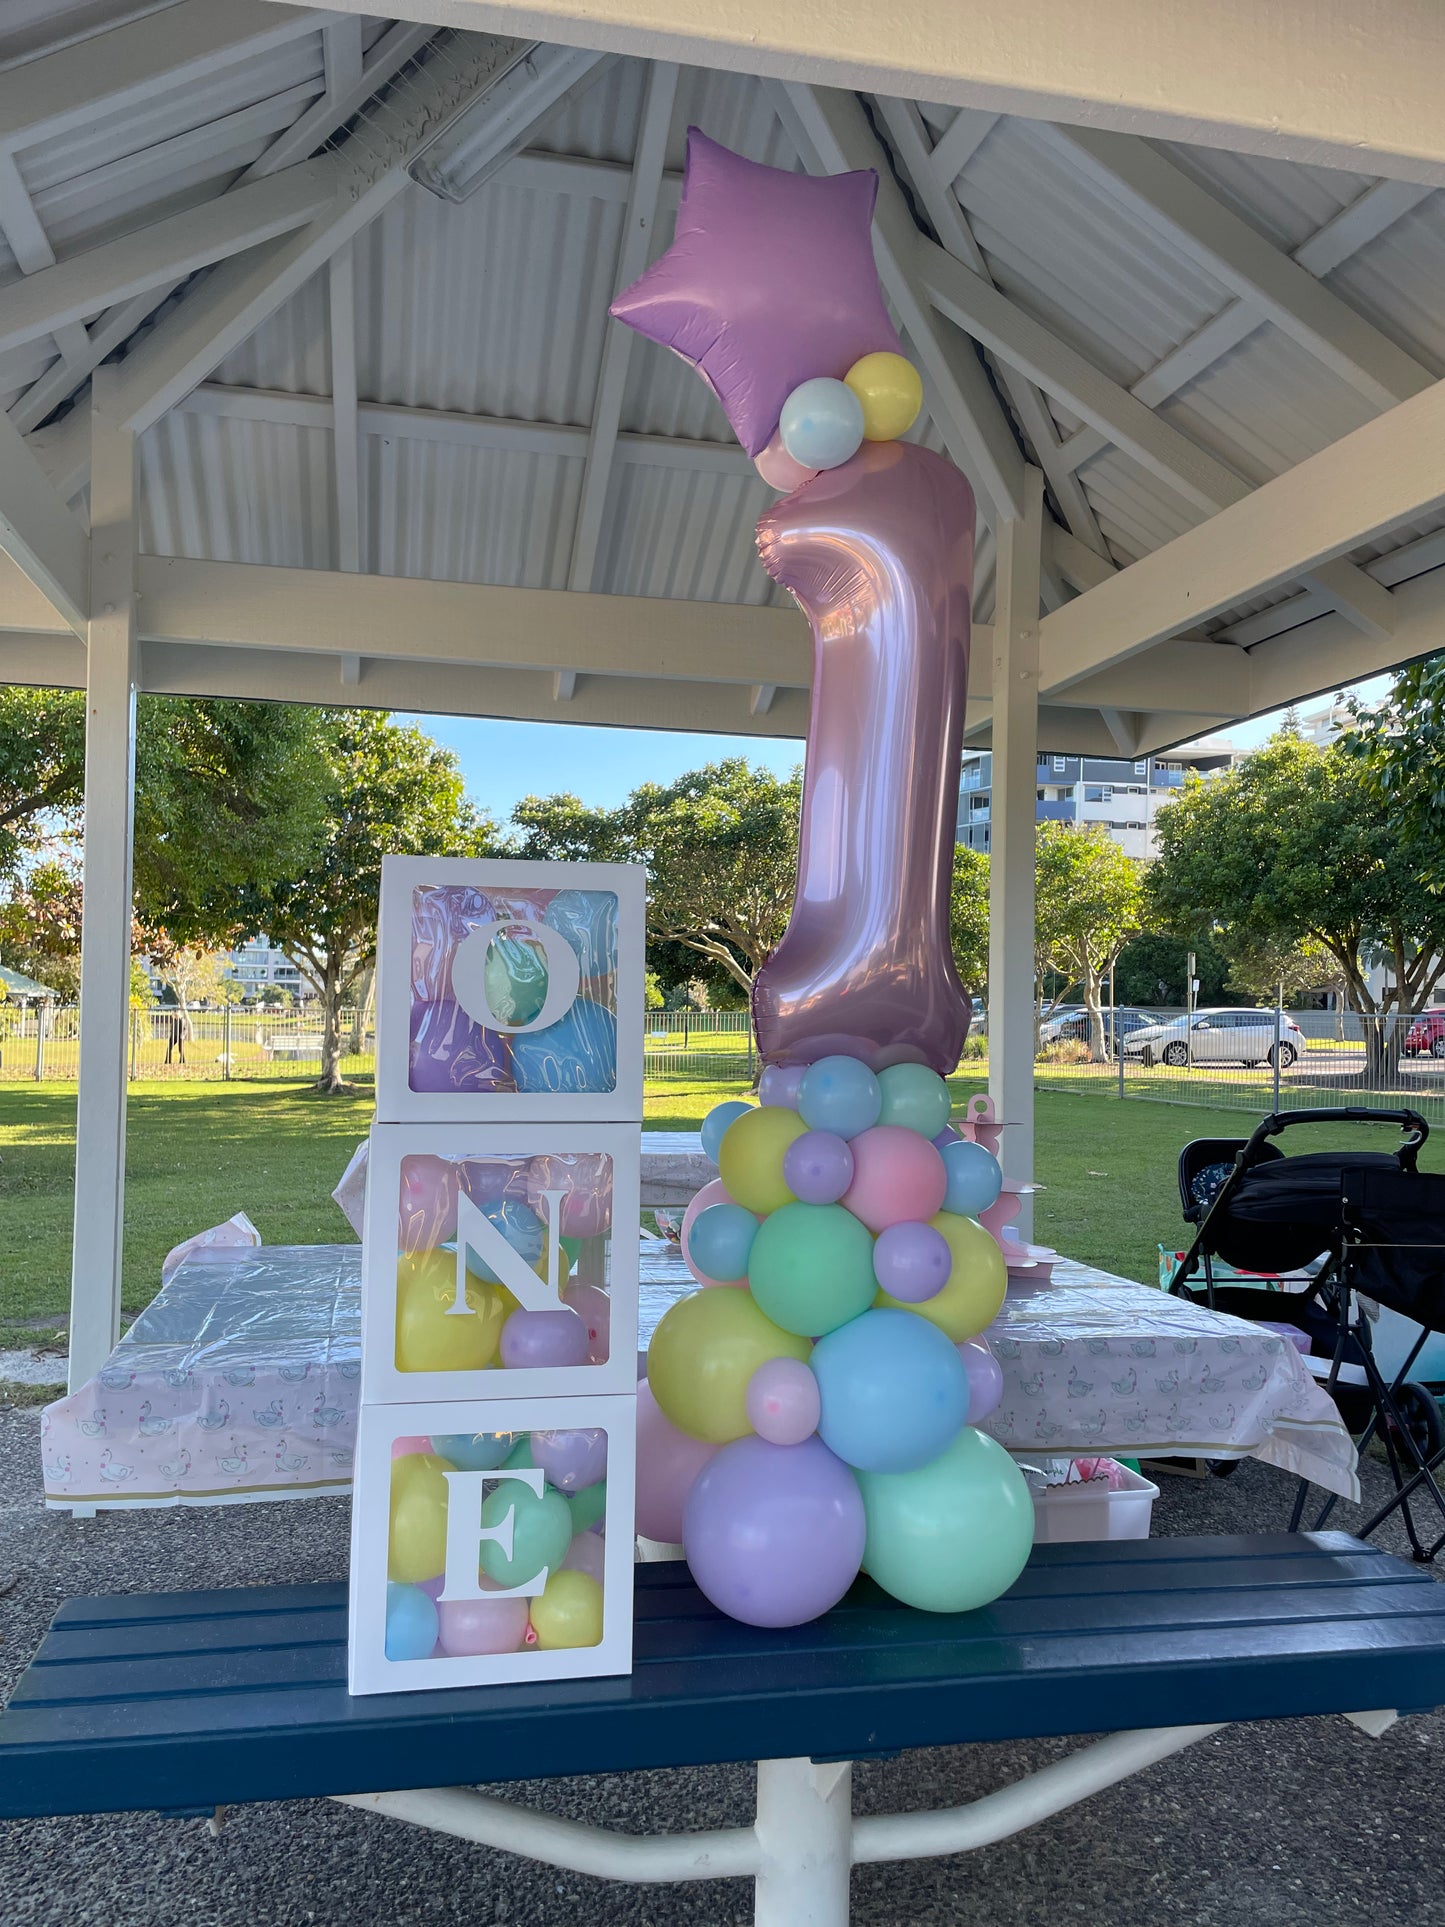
x: 668, y: 1462
x: 879, y: 553
x: 572, y: 1460
x: 594, y: 1308
x: 774, y: 1533
x: 473, y: 1626
x: 985, y: 1379
x: 782, y: 1401
x: 532, y: 1338
x: 911, y: 1261
x: 587, y: 1553
x: 818, y: 1167
x: 770, y: 280
x: 778, y: 1085
x: 948, y: 1135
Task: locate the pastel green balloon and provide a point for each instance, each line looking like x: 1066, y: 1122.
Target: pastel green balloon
x: 953, y: 1534
x: 520, y: 1455
x: 703, y: 1353
x: 915, y: 1098
x: 587, y: 1506
x: 541, y: 1532
x: 514, y: 975
x: 811, y: 1268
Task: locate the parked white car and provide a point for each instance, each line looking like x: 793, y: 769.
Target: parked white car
x: 1244, y: 1037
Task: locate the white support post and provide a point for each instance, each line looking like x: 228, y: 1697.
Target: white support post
x: 112, y: 678
x: 1011, y: 855
x: 805, y: 1843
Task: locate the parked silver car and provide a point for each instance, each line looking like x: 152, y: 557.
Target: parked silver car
x: 1247, y: 1037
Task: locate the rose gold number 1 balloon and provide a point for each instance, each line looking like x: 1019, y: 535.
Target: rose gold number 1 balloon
x: 879, y: 554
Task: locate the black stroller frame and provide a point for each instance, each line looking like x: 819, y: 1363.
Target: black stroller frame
x: 1358, y: 1185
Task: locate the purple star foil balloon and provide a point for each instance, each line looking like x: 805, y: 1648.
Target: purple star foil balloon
x: 770, y: 281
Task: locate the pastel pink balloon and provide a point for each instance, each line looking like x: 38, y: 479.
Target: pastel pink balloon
x: 594, y: 1308
x: 713, y: 1193
x: 783, y: 1402
x: 403, y: 1448
x: 472, y: 1626
x: 667, y: 1463
x: 587, y: 1553
x: 779, y: 470
x: 898, y: 1176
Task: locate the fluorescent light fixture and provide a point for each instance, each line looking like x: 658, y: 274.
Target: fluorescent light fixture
x: 539, y: 80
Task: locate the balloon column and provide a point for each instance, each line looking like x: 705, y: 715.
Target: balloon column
x: 812, y: 1409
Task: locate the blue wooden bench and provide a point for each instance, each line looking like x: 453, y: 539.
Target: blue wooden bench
x: 189, y: 1702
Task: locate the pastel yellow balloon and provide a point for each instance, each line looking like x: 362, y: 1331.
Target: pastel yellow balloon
x: 891, y: 392
x: 703, y: 1353
x: 568, y: 1611
x: 417, y: 1543
x: 429, y: 1337
x: 750, y: 1157
x: 973, y: 1296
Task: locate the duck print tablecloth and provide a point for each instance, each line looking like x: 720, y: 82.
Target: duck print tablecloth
x: 239, y: 1381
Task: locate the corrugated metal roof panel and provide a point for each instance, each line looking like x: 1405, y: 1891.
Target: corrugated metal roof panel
x: 670, y: 533
x: 1283, y: 199
x: 291, y: 350
x: 1398, y: 281
x: 452, y: 514
x: 236, y: 491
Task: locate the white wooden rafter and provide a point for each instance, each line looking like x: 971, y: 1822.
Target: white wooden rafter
x: 639, y: 222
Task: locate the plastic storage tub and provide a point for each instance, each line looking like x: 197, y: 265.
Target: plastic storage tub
x: 1093, y: 1509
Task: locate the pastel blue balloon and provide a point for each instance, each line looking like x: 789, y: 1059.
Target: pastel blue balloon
x: 715, y: 1124
x: 893, y: 1391
x: 576, y: 1054
x: 473, y: 1451
x: 523, y: 1230
x: 588, y: 920
x: 841, y: 1095
x: 821, y: 425
x: 411, y: 1622
x: 974, y: 1178
x: 720, y: 1240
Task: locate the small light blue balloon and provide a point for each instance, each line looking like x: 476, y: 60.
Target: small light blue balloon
x: 720, y: 1240
x: 576, y: 1054
x: 821, y: 425
x: 715, y: 1124
x: 474, y: 1451
x: 523, y: 1230
x: 893, y: 1391
x: 974, y: 1178
x: 841, y: 1095
x: 411, y: 1622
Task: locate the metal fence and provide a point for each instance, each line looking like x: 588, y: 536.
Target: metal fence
x: 1325, y: 1058
x: 42, y: 1044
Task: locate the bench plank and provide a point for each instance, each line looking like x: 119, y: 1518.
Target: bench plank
x: 186, y: 1700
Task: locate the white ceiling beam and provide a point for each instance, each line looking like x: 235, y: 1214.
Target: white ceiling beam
x: 1328, y: 654
x: 239, y: 295
x: 1007, y: 331
x: 1079, y: 565
x: 38, y: 532
x: 1123, y: 726
x: 110, y: 73
x: 761, y: 697
x: 345, y: 420
x: 1395, y: 566
x: 439, y: 425
x: 957, y: 145
x: 833, y: 134
x: 1314, y: 81
x: 31, y: 247
x: 333, y: 110
x: 167, y: 250
x: 639, y: 223
x: 1357, y: 596
x: 564, y: 685
x: 1385, y: 473
x: 932, y: 172
x: 1225, y: 246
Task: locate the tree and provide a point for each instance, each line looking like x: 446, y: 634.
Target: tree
x: 1263, y: 971
x: 42, y: 765
x: 1296, y: 845
x: 968, y: 918
x: 1398, y: 746
x: 385, y: 789
x: 1152, y: 969
x: 1088, y: 903
x: 40, y: 926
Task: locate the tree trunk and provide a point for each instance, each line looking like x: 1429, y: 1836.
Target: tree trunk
x: 330, y: 1078
x: 365, y: 995
x: 1382, y: 1050
x: 1098, y: 1047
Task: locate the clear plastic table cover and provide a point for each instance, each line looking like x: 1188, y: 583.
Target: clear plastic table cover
x: 239, y: 1381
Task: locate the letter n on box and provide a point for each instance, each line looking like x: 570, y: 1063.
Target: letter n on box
x: 509, y: 990
x: 500, y: 1261
x: 491, y: 1542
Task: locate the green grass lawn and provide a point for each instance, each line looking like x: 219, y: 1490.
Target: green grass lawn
x: 198, y: 1152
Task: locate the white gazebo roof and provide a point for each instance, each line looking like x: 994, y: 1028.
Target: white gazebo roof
x: 1224, y: 361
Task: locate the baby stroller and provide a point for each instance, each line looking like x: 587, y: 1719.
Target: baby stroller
x: 1363, y: 1226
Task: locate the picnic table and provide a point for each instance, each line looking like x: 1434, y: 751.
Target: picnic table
x: 190, y: 1702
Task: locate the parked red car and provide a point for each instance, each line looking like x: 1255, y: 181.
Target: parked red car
x: 1426, y: 1034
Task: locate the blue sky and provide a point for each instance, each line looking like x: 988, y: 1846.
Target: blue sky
x: 504, y: 761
